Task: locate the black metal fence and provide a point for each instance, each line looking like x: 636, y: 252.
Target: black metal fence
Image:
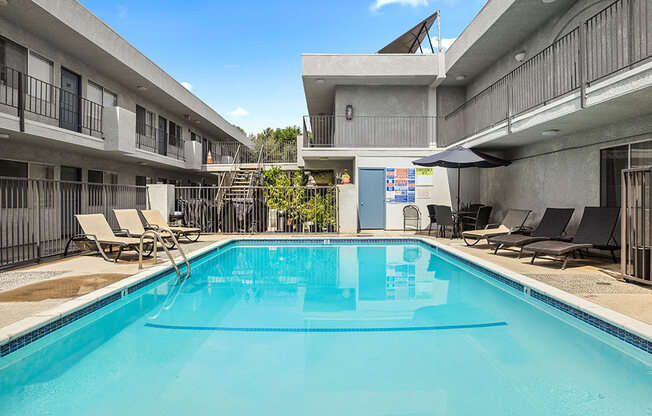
x: 611, y: 41
x: 260, y: 209
x: 148, y: 138
x: 636, y: 225
x: 228, y: 153
x: 37, y: 216
x: 30, y: 95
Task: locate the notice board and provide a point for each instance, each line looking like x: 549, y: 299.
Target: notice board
x: 400, y: 185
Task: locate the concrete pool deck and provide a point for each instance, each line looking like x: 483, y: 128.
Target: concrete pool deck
x: 31, y: 290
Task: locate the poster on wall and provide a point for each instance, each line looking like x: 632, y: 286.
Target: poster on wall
x: 400, y: 185
x: 424, y: 176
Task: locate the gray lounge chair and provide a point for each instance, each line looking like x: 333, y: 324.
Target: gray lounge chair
x: 552, y: 226
x: 512, y: 223
x: 595, y: 231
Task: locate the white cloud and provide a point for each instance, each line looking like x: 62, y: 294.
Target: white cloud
x: 123, y: 11
x: 239, y: 112
x: 187, y: 85
x: 414, y: 3
x: 445, y: 44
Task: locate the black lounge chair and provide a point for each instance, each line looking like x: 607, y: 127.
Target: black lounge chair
x: 552, y: 226
x: 513, y: 222
x: 595, y: 231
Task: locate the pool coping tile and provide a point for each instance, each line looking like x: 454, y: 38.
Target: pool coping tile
x: 630, y: 330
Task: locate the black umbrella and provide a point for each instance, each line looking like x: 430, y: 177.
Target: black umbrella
x: 461, y: 157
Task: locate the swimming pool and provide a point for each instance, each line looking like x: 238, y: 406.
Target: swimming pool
x: 335, y: 327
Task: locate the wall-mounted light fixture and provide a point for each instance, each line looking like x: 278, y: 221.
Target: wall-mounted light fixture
x: 551, y: 132
x: 320, y: 80
x: 520, y: 57
x: 460, y: 77
x: 4, y: 136
x: 349, y: 112
x: 141, y: 88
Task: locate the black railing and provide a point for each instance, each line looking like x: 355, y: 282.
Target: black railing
x: 611, y: 41
x: 147, y: 138
x: 30, y: 95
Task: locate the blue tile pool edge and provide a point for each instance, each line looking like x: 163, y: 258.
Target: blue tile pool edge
x: 15, y: 343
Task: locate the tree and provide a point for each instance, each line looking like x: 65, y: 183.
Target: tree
x: 280, y: 144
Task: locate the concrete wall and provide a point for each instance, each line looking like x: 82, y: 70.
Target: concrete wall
x: 557, y: 172
x: 128, y: 96
x: 443, y: 192
x: 543, y: 37
x: 127, y: 170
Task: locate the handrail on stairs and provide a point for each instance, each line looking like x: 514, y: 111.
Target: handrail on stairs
x: 259, y: 168
x: 157, y: 238
x: 219, y: 198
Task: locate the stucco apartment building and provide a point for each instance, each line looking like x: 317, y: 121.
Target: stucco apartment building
x: 79, y: 103
x: 559, y: 87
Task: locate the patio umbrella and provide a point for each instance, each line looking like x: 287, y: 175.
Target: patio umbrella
x: 460, y: 157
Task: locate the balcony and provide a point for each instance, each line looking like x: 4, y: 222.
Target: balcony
x: 149, y: 139
x: 369, y: 131
x: 33, y: 99
x: 232, y: 152
x: 612, y: 41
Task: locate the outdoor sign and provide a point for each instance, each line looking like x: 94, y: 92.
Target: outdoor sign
x: 424, y: 176
x: 400, y: 185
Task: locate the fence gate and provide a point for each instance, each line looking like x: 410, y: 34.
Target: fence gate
x: 636, y: 225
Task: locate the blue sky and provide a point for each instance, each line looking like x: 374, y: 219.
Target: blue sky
x: 243, y: 58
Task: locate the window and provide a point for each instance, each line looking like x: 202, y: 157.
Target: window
x: 95, y: 196
x: 175, y: 134
x: 40, y: 81
x: 109, y: 98
x: 94, y: 93
x: 16, y: 194
x: 12, y: 56
x: 612, y: 161
x: 141, y: 113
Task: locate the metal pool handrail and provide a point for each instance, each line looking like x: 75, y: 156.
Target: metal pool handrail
x: 157, y: 237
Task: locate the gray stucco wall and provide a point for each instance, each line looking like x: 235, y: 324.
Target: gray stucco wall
x: 128, y: 96
x: 126, y: 170
x: 543, y: 37
x: 380, y: 100
x: 557, y: 172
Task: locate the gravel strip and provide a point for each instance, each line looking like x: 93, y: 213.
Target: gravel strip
x: 12, y: 280
x: 591, y: 284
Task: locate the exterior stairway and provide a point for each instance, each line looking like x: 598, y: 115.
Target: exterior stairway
x: 243, y: 180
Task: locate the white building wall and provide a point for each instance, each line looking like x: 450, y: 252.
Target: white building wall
x: 443, y: 192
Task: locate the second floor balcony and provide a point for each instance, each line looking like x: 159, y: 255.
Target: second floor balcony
x: 611, y: 42
x: 324, y: 131
x: 30, y: 98
x: 150, y: 139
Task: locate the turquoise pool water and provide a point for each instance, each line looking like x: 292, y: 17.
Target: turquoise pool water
x: 327, y: 329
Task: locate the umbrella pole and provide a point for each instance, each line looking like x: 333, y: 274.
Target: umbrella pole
x: 458, y: 189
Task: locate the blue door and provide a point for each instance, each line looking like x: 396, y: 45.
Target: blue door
x: 371, y: 199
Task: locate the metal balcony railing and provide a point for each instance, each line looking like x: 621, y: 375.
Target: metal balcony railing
x: 369, y: 131
x: 613, y: 40
x: 225, y: 153
x: 147, y: 138
x: 46, y: 102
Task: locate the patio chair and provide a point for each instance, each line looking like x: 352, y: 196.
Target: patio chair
x: 156, y: 221
x: 431, y: 216
x: 512, y: 222
x: 595, y: 231
x: 97, y: 234
x: 470, y: 220
x: 480, y: 220
x: 411, y: 213
x: 444, y: 216
x: 131, y: 224
x: 552, y: 226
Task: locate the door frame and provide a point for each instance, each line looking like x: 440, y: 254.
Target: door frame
x: 384, y: 193
x: 79, y: 101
